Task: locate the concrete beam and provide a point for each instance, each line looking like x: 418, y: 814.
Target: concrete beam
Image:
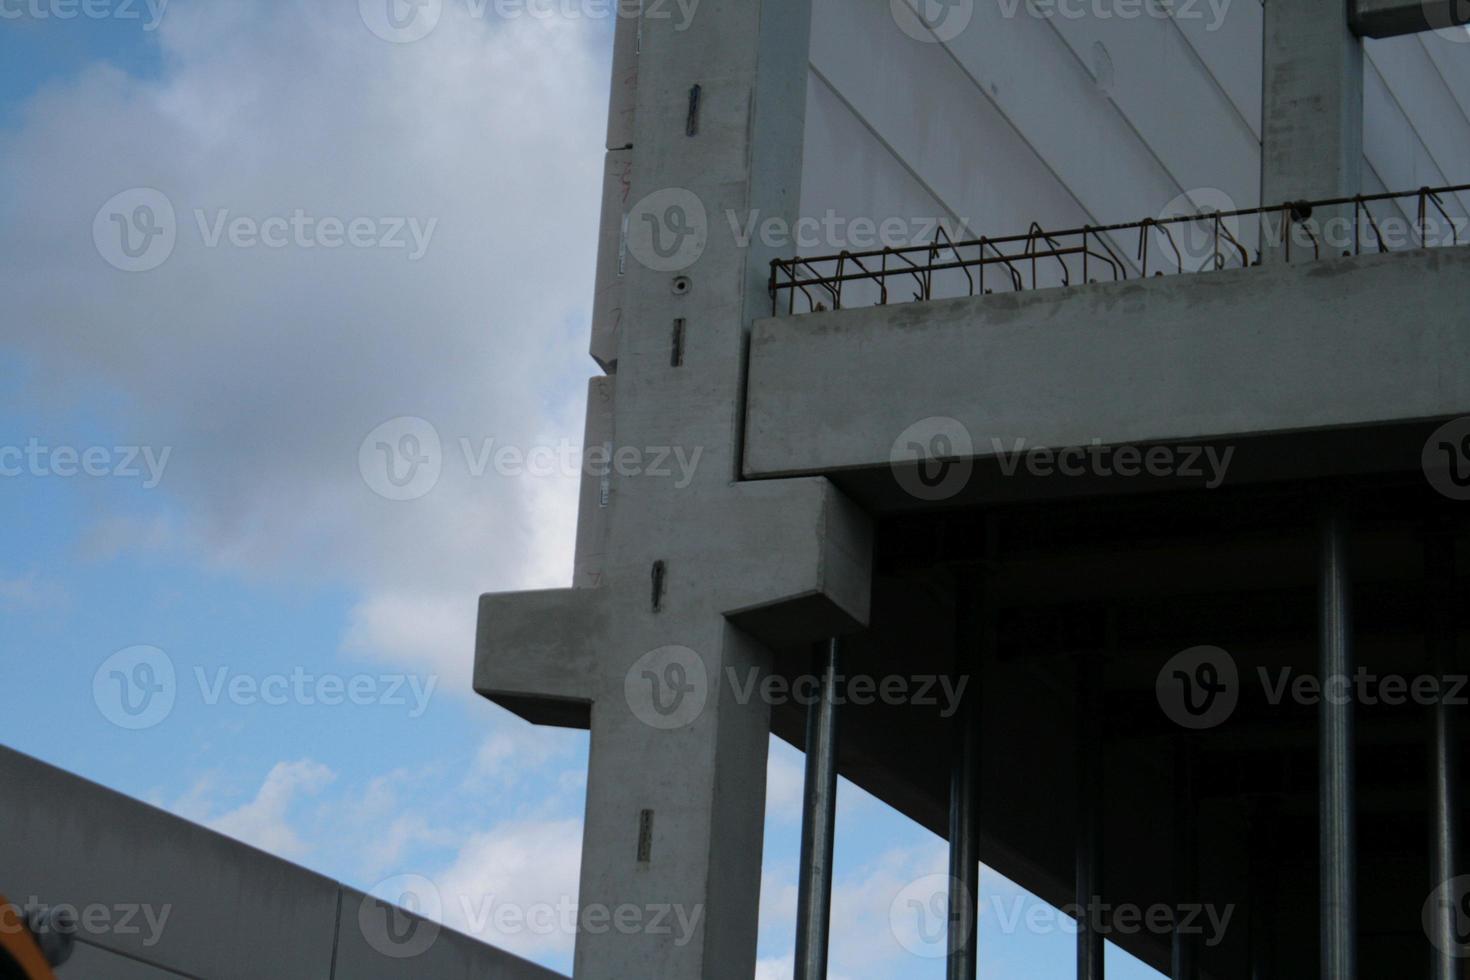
x: 201, y: 904
x: 1392, y: 18
x: 535, y: 653
x: 795, y: 568
x: 1338, y: 343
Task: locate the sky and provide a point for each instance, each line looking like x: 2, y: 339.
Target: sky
x: 362, y: 232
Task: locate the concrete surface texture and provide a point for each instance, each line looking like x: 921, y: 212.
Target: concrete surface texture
x: 1336, y: 343
x: 157, y: 896
x: 727, y: 131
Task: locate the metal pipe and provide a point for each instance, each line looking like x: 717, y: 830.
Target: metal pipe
x: 1443, y: 755
x: 964, y: 792
x: 1336, y: 816
x: 1090, y: 943
x: 1186, y: 873
x: 818, y: 824
x: 1261, y: 888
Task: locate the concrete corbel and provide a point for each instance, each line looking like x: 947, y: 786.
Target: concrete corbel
x: 535, y: 653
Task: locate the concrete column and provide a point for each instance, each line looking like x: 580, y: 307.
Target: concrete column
x: 818, y: 822
x: 1263, y: 877
x: 1090, y: 942
x: 964, y: 789
x: 676, y: 784
x: 1336, y: 806
x: 1312, y: 113
x: 1444, y: 768
x: 1185, y: 856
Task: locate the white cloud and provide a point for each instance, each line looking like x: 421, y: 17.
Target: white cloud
x: 781, y: 967
x: 775, y: 968
x: 265, y: 368
x: 863, y: 942
x: 516, y: 886
x: 30, y: 591
x: 433, y: 631
x: 785, y: 781
x: 264, y: 822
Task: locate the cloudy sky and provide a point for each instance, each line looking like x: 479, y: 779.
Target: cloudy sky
x: 235, y: 239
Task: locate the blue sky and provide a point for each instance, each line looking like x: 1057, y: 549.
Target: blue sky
x: 254, y: 553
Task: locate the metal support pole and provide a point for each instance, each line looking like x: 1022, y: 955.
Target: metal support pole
x: 1262, y: 890
x: 818, y: 825
x: 1336, y: 816
x: 964, y: 791
x: 1186, y: 867
x: 1090, y: 942
x: 1439, y: 567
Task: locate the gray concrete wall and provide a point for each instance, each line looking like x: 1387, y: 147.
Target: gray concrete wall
x: 219, y: 909
x: 1033, y: 114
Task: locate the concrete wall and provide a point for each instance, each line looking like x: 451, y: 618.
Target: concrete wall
x: 219, y: 908
x: 1095, y: 119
